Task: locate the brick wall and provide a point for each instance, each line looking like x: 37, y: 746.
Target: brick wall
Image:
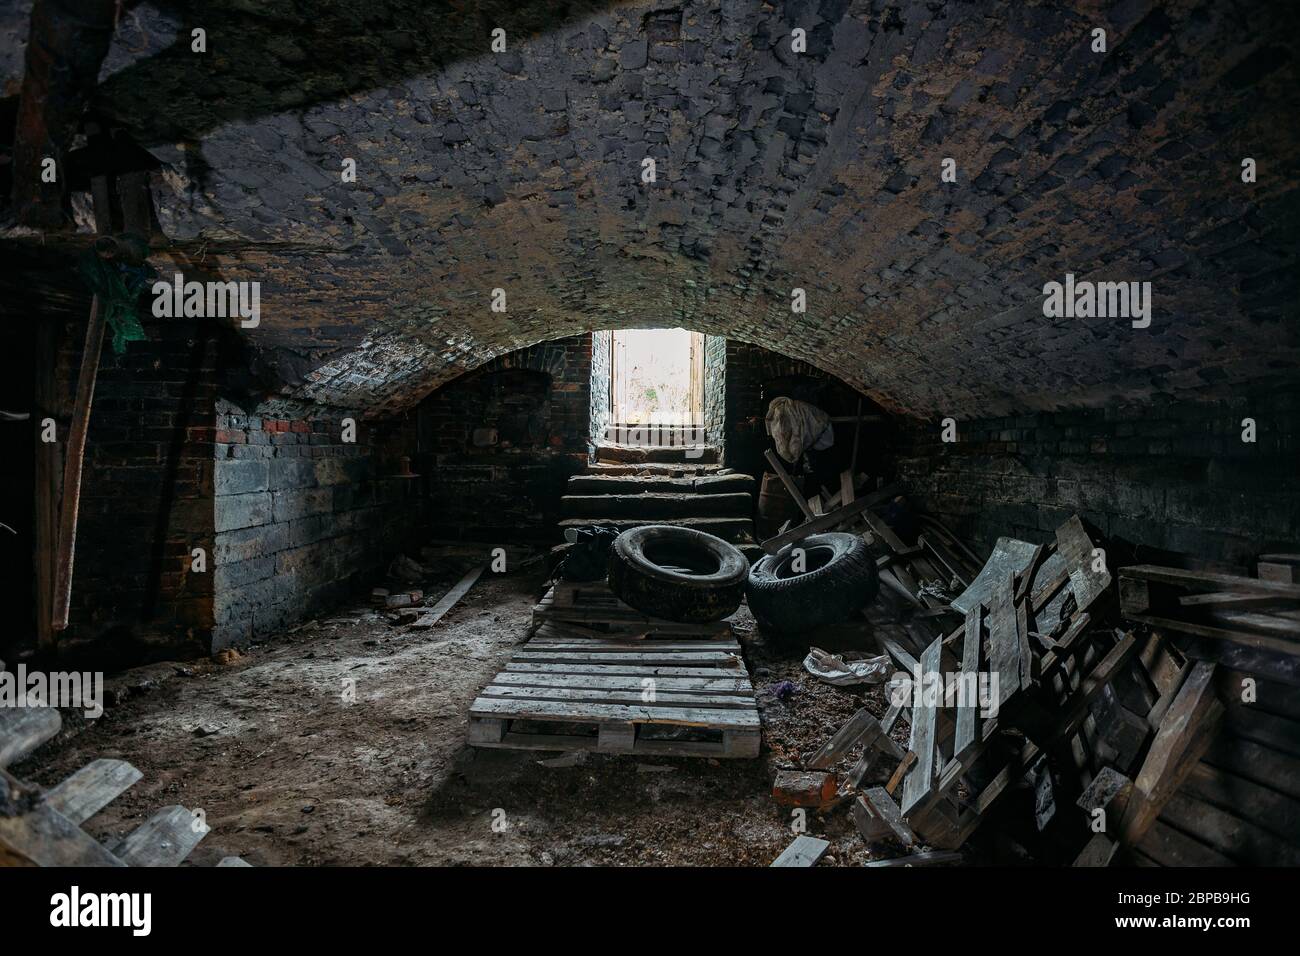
x: 145, y: 497
x: 715, y: 390
x: 496, y: 472
x: 601, y: 367
x: 755, y: 375
x: 1175, y: 476
x: 302, y: 518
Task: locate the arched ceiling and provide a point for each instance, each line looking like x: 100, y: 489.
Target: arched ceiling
x: 522, y: 171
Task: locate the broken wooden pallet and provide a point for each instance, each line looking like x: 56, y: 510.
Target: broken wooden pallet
x: 687, y: 697
x: 592, y: 609
x: 44, y: 828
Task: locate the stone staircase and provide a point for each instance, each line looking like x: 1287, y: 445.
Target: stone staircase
x: 691, y: 494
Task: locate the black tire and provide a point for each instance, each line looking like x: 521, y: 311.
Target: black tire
x: 840, y: 581
x: 678, y: 574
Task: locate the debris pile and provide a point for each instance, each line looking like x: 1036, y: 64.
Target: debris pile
x: 1041, y: 673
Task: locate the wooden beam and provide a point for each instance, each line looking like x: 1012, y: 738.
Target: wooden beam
x: 1185, y: 733
x: 448, y: 601
x: 774, y: 460
x: 830, y: 520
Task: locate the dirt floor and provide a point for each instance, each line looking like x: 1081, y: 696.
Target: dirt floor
x: 288, y: 772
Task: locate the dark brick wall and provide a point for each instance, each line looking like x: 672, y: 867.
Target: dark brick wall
x: 146, y: 498
x: 494, y: 472
x: 1173, y: 476
x: 303, y: 519
x: 755, y: 375
x: 601, y: 367
x: 715, y: 390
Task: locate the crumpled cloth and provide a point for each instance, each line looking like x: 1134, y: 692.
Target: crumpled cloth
x: 796, y: 426
x: 837, y: 671
x: 119, y: 286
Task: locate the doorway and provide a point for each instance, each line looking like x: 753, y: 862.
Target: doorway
x: 657, y: 378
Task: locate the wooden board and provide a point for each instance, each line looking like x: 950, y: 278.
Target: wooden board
x: 165, y: 839
x: 448, y: 601
x: 1004, y: 638
x: 970, y: 663
x: 92, y: 788
x: 1075, y: 547
x: 924, y: 729
x: 23, y: 729
x: 804, y: 851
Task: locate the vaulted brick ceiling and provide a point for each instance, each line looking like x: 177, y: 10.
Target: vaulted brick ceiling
x: 522, y: 171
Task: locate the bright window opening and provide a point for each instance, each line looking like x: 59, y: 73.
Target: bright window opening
x: 657, y: 377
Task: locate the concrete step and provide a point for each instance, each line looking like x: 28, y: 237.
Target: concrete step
x: 664, y: 469
x: 735, y: 530
x: 654, y: 505
x: 628, y: 454
x: 704, y: 484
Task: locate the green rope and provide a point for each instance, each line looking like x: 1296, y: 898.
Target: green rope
x: 119, y: 287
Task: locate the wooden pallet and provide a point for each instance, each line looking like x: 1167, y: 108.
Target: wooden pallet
x: 591, y: 609
x: 567, y: 693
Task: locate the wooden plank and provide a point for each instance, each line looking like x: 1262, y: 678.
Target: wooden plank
x: 1279, y: 733
x: 1256, y: 763
x: 1098, y: 851
x: 1269, y: 808
x: 607, y: 696
x: 884, y: 741
x: 1208, y: 580
x: 684, y: 658
x: 900, y: 772
x: 919, y: 782
x: 895, y: 650
x: 50, y: 402
x: 1027, y: 576
x: 73, y: 463
x: 804, y: 851
x: 619, y: 670
x: 929, y: 858
x: 1004, y: 640
x: 165, y: 839
x: 1232, y: 599
x: 704, y: 685
x: 233, y: 861
x: 831, y: 520
x: 877, y: 815
x: 23, y: 729
x: 1074, y: 545
x: 861, y: 726
x: 791, y: 488
x: 970, y: 665
x: 619, y: 647
x: 448, y: 601
x: 1169, y: 847
x: 1229, y: 833
x: 1183, y: 736
x: 92, y: 788
x: 846, y: 487
x: 580, y: 711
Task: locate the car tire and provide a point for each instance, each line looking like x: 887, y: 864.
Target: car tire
x: 839, y: 581
x: 678, y: 574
